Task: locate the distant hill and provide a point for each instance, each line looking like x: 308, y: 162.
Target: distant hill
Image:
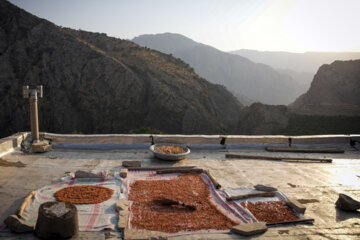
x: 335, y: 90
x: 308, y: 62
x: 97, y: 84
x: 246, y: 79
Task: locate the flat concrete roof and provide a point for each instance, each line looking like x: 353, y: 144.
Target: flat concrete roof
x: 316, y: 184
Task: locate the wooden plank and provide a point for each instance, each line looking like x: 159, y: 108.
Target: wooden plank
x: 230, y: 155
x: 251, y: 195
x: 158, y: 168
x: 25, y: 203
x: 191, y: 170
x: 305, y: 220
x: 304, y: 150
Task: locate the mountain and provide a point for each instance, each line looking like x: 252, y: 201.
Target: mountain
x: 98, y: 84
x: 335, y: 90
x: 257, y: 82
x: 308, y: 62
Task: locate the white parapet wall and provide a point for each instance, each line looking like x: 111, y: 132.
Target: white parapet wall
x: 12, y: 142
x: 145, y: 140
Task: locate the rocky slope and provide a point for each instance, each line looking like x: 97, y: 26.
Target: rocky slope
x: 257, y: 82
x: 335, y: 90
x: 97, y: 84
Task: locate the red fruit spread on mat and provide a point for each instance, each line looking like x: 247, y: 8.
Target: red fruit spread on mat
x: 84, y: 194
x: 189, y: 189
x: 270, y: 212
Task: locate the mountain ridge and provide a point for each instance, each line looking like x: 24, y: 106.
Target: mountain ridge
x: 91, y: 90
x: 256, y: 81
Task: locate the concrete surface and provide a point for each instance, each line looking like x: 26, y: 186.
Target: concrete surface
x: 316, y: 185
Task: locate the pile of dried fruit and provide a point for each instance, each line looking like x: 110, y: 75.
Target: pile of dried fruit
x: 270, y: 212
x: 189, y: 189
x: 170, y: 149
x: 84, y: 194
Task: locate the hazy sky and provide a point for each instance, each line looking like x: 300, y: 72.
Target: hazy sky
x: 274, y: 25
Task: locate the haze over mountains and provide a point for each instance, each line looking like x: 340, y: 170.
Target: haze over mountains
x: 255, y: 81
x: 308, y: 62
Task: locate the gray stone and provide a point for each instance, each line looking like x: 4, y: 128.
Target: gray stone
x: 16, y: 224
x: 131, y: 163
x: 123, y: 172
x: 249, y: 228
x: 41, y: 147
x: 346, y: 203
x: 122, y: 204
x: 141, y: 234
x: 296, y: 205
x: 84, y: 174
x: 265, y: 188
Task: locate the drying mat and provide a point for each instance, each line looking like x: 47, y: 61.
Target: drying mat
x: 217, y: 197
x: 279, y: 196
x: 92, y: 217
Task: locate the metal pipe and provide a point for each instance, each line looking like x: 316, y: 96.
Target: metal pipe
x: 33, y: 95
x: 34, y: 120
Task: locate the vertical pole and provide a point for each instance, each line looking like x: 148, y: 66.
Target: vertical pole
x: 34, y: 120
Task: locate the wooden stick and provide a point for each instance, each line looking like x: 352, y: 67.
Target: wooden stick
x: 309, y: 220
x: 304, y: 150
x: 24, y: 204
x: 191, y: 170
x: 229, y: 155
x: 158, y: 168
x: 251, y: 195
x: 216, y: 184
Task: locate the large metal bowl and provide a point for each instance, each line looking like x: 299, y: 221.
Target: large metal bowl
x: 169, y: 157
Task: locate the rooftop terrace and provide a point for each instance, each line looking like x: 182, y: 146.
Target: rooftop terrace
x: 316, y: 185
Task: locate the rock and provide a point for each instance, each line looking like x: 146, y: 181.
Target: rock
x: 296, y: 205
x: 84, y: 174
x: 335, y: 91
x: 122, y: 204
x: 40, y: 147
x: 57, y: 220
x: 249, y: 228
x: 141, y: 234
x: 346, y: 203
x: 17, y: 225
x: 123, y: 219
x: 123, y: 172
x: 265, y: 188
x: 131, y: 163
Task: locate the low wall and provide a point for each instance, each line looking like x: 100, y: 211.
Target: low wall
x: 134, y: 140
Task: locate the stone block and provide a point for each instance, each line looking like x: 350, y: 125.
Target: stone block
x: 249, y: 228
x: 41, y: 147
x: 122, y: 204
x: 84, y: 174
x: 347, y: 203
x: 123, y: 172
x: 141, y: 234
x: 265, y: 188
x: 123, y: 219
x: 131, y: 163
x: 296, y: 205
